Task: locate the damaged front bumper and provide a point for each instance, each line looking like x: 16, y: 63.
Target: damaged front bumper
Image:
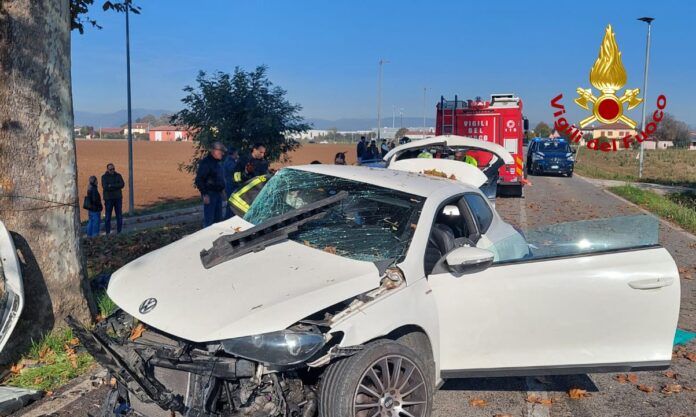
x: 156, y: 374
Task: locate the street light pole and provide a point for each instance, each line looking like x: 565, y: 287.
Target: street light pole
x: 379, y: 99
x: 647, y: 20
x: 424, y: 90
x: 130, y: 125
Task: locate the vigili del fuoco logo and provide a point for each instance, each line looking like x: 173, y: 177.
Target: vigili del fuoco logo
x: 608, y: 76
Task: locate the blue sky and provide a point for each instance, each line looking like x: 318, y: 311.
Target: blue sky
x: 325, y: 53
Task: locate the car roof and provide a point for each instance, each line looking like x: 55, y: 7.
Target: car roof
x: 407, y: 182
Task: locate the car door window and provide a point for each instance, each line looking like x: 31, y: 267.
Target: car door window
x: 481, y: 210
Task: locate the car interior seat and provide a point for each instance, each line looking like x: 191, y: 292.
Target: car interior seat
x: 440, y: 242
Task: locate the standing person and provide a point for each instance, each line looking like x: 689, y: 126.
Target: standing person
x: 362, y: 148
x: 112, y: 184
x: 372, y: 151
x: 384, y: 148
x: 340, y: 158
x: 210, y: 181
x: 228, y: 167
x: 252, y: 165
x: 94, y: 207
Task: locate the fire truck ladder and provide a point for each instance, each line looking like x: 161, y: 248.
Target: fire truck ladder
x: 449, y: 129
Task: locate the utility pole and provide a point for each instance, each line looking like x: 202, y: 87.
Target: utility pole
x: 401, y: 117
x: 130, y: 124
x: 379, y: 99
x: 393, y: 116
x: 647, y: 20
x: 424, y: 91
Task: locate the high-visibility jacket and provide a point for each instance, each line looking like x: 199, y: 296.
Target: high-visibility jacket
x: 241, y: 200
x: 471, y: 160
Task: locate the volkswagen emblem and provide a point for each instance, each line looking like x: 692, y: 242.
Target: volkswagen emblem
x: 148, y: 305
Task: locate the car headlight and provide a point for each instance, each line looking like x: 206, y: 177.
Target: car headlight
x: 536, y: 156
x: 569, y: 156
x: 286, y: 347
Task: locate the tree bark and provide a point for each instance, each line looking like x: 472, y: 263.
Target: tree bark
x: 38, y: 172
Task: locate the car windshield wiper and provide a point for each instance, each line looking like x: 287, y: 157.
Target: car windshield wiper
x: 272, y: 231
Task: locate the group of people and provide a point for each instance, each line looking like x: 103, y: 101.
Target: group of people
x: 228, y: 182
x: 112, y: 184
x: 368, y: 151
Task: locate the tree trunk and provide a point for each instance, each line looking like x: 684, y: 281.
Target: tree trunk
x: 38, y: 172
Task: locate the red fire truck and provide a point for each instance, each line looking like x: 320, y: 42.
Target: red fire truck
x: 499, y: 120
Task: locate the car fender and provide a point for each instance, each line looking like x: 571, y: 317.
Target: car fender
x: 411, y: 305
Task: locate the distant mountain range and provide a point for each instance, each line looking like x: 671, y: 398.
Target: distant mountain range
x: 368, y: 123
x: 118, y: 118
x: 115, y: 119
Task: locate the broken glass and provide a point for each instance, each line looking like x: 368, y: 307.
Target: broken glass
x: 371, y: 224
x: 580, y: 237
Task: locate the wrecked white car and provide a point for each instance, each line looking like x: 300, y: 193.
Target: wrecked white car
x: 11, y: 286
x: 350, y: 291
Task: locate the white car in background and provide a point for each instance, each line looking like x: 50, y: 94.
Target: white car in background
x: 485, y: 176
x: 351, y: 291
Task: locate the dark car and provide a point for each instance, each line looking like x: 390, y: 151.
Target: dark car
x: 550, y: 156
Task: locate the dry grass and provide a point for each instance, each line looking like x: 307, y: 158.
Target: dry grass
x: 670, y: 166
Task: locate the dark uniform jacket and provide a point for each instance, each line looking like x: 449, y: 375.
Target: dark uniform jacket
x: 209, y: 177
x: 248, y: 168
x: 94, y: 199
x: 112, y: 184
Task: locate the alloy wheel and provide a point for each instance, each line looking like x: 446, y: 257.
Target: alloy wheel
x: 392, y: 386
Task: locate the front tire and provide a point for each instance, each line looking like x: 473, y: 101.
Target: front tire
x: 385, y: 379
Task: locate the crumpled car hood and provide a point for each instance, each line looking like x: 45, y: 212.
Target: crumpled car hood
x: 253, y: 294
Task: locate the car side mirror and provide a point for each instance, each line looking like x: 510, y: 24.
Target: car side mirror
x: 468, y: 259
x: 574, y: 150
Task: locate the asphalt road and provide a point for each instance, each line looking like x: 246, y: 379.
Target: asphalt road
x: 554, y: 200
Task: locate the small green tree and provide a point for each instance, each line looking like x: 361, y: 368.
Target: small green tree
x: 542, y: 130
x: 239, y: 110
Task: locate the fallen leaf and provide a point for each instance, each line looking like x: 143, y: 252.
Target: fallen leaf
x: 48, y: 393
x: 37, y: 380
x: 632, y: 378
x: 621, y: 378
x: 688, y: 388
x: 577, y: 393
x: 112, y: 381
x: 99, y: 318
x: 646, y: 388
x: 74, y: 341
x: 691, y: 356
x: 535, y: 399
x: 330, y: 249
x: 73, y: 361
x: 671, y: 389
x: 503, y: 415
x: 476, y: 402
x: 45, y: 351
x: 137, y: 332
x: 670, y: 374
x: 237, y: 229
x: 17, y: 368
x: 413, y: 226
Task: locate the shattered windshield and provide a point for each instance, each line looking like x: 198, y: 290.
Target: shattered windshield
x: 371, y: 224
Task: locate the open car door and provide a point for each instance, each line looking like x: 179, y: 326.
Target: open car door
x: 490, y: 157
x: 11, y: 287
x: 591, y: 296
